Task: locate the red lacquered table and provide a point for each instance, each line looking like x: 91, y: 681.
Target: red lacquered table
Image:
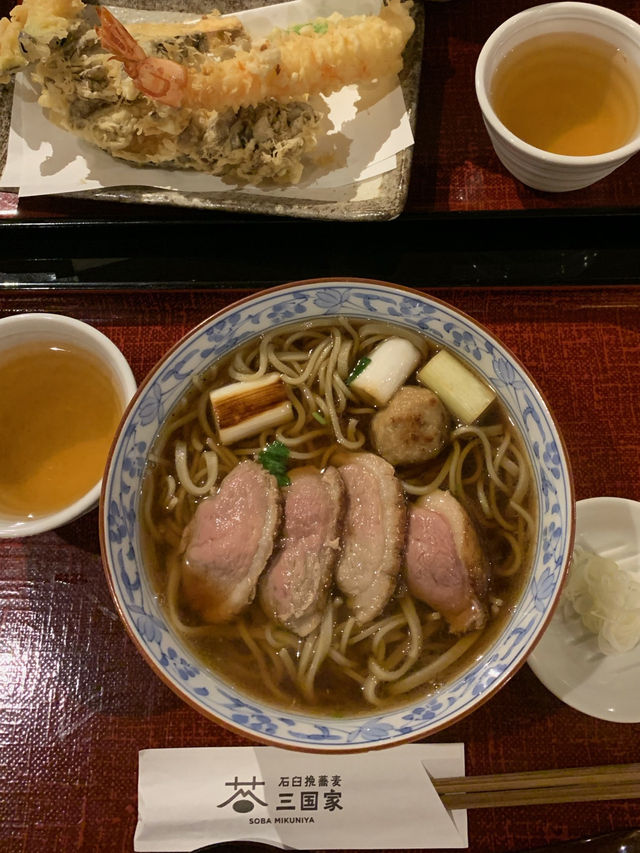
x: 77, y: 702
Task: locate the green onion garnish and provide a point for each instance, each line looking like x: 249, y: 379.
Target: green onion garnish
x: 319, y: 27
x: 359, y: 367
x: 274, y: 459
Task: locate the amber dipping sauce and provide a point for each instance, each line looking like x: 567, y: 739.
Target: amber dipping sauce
x: 568, y: 93
x: 59, y: 409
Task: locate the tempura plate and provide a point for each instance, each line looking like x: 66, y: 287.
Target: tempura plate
x: 384, y: 197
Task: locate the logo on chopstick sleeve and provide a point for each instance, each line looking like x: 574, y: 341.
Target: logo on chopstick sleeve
x: 295, y: 795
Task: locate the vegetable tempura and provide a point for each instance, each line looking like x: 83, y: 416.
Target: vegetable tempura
x: 201, y: 95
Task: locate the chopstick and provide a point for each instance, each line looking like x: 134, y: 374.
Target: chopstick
x: 566, y: 785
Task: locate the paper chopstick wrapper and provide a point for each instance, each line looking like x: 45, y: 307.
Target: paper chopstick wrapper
x: 361, y: 146
x: 188, y: 798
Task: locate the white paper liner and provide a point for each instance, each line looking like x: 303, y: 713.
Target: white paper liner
x: 370, y: 126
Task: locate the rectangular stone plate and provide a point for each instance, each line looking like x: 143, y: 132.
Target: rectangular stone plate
x: 386, y: 201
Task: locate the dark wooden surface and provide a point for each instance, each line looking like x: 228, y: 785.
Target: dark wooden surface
x: 460, y: 200
x: 77, y: 701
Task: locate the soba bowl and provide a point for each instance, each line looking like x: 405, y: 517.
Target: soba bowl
x: 121, y: 517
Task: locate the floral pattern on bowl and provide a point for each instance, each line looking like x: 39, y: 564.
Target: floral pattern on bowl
x: 225, y: 331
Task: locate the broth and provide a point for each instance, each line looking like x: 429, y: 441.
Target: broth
x: 59, y: 414
x: 248, y: 651
x: 568, y: 93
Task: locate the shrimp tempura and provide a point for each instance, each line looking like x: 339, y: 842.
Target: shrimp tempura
x: 317, y: 58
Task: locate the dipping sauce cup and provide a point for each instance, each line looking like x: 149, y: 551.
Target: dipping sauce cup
x: 559, y: 90
x: 64, y: 387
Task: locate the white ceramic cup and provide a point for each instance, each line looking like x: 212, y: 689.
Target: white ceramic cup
x: 536, y: 168
x: 23, y: 328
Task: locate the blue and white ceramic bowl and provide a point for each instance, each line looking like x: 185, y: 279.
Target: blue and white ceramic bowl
x: 120, y: 510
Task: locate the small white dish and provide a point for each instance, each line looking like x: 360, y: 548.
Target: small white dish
x: 567, y: 659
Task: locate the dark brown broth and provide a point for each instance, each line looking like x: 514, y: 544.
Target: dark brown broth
x: 335, y: 693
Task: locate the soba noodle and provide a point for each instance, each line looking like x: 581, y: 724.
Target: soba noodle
x: 340, y: 666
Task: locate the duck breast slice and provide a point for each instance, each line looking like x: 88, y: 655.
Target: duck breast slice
x: 373, y: 535
x: 228, y: 542
x: 295, y: 587
x: 445, y: 564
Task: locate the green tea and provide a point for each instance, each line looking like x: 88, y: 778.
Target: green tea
x: 568, y: 93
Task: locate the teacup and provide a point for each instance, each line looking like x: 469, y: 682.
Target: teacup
x: 64, y: 387
x: 576, y: 27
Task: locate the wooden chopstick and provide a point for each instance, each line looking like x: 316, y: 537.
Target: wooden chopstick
x: 539, y: 778
x: 566, y: 785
